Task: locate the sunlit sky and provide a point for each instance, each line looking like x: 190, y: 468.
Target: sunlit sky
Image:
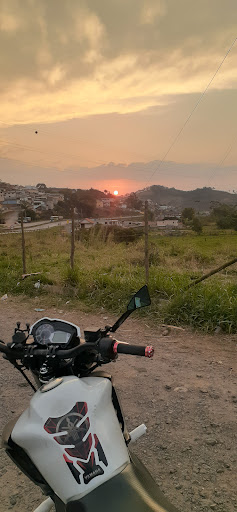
x: 108, y: 85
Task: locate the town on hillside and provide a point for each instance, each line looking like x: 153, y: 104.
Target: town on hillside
x: 168, y: 209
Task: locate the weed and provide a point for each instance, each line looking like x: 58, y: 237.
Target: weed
x: 107, y: 273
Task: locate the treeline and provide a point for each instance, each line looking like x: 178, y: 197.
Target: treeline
x: 225, y: 216
x: 83, y: 200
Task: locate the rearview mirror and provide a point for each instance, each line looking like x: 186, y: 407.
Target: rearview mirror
x: 140, y: 299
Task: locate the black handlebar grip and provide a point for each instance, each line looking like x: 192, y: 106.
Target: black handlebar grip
x: 4, y: 348
x: 133, y: 350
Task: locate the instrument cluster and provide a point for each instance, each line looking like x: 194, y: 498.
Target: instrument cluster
x: 54, y: 332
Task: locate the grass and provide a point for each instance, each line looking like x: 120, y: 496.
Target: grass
x: 106, y: 274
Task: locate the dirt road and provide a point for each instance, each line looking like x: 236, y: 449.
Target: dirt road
x: 186, y: 395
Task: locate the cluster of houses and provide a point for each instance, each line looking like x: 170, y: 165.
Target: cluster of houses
x: 38, y: 198
x: 11, y: 197
x: 166, y: 223
x: 108, y: 202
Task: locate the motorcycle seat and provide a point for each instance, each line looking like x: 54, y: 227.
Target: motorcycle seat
x: 132, y: 490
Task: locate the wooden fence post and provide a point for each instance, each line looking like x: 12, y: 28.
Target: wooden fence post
x: 146, y: 242
x: 72, y: 240
x: 23, y: 245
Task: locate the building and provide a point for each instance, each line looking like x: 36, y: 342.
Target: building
x: 105, y: 202
x: 108, y: 222
x: 168, y: 222
x: 86, y: 223
x: 11, y: 203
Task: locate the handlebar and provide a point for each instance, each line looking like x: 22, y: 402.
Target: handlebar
x: 106, y: 346
x: 17, y: 353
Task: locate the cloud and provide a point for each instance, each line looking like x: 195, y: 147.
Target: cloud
x: 125, y: 178
x: 71, y: 59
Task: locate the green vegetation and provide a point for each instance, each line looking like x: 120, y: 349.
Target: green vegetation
x: 189, y: 220
x: 225, y: 216
x: 107, y: 271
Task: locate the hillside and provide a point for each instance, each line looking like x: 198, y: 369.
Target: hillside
x: 201, y: 199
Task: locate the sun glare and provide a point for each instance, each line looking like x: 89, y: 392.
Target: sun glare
x: 115, y: 193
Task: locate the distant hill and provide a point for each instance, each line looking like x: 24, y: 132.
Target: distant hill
x: 201, y: 199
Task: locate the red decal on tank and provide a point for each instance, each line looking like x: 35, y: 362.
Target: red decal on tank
x: 72, y: 429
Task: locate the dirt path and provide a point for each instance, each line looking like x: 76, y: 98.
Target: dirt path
x: 186, y: 395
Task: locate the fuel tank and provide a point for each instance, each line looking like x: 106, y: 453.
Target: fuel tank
x: 71, y: 433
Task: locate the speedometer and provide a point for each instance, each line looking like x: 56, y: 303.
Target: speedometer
x: 43, y: 334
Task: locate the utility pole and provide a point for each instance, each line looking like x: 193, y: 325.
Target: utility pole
x: 146, y: 242
x: 23, y: 245
x: 72, y: 239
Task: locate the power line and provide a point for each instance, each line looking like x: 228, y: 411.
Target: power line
x: 191, y: 113
x: 30, y: 148
x: 229, y: 149
x: 71, y: 139
x: 33, y: 164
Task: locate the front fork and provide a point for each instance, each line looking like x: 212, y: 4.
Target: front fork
x: 46, y: 506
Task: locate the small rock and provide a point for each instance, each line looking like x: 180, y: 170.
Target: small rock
x: 162, y: 447
x: 167, y: 386
x: 13, y: 499
x: 227, y: 465
x: 214, y: 395
x: 211, y: 441
x: 181, y: 389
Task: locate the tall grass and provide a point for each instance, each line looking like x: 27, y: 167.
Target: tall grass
x: 106, y: 274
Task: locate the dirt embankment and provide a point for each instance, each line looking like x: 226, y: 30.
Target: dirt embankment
x: 186, y: 395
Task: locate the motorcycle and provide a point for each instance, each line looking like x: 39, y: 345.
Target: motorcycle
x: 72, y: 440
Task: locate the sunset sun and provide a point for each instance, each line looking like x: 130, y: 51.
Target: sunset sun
x: 115, y: 192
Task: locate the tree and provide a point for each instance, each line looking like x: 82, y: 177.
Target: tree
x: 151, y: 215
x: 188, y: 214
x: 133, y: 201
x: 2, y: 219
x: 27, y: 210
x: 197, y: 225
x: 225, y: 216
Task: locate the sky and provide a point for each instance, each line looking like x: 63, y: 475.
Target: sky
x: 114, y: 90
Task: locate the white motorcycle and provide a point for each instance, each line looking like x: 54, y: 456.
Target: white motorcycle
x: 72, y: 440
